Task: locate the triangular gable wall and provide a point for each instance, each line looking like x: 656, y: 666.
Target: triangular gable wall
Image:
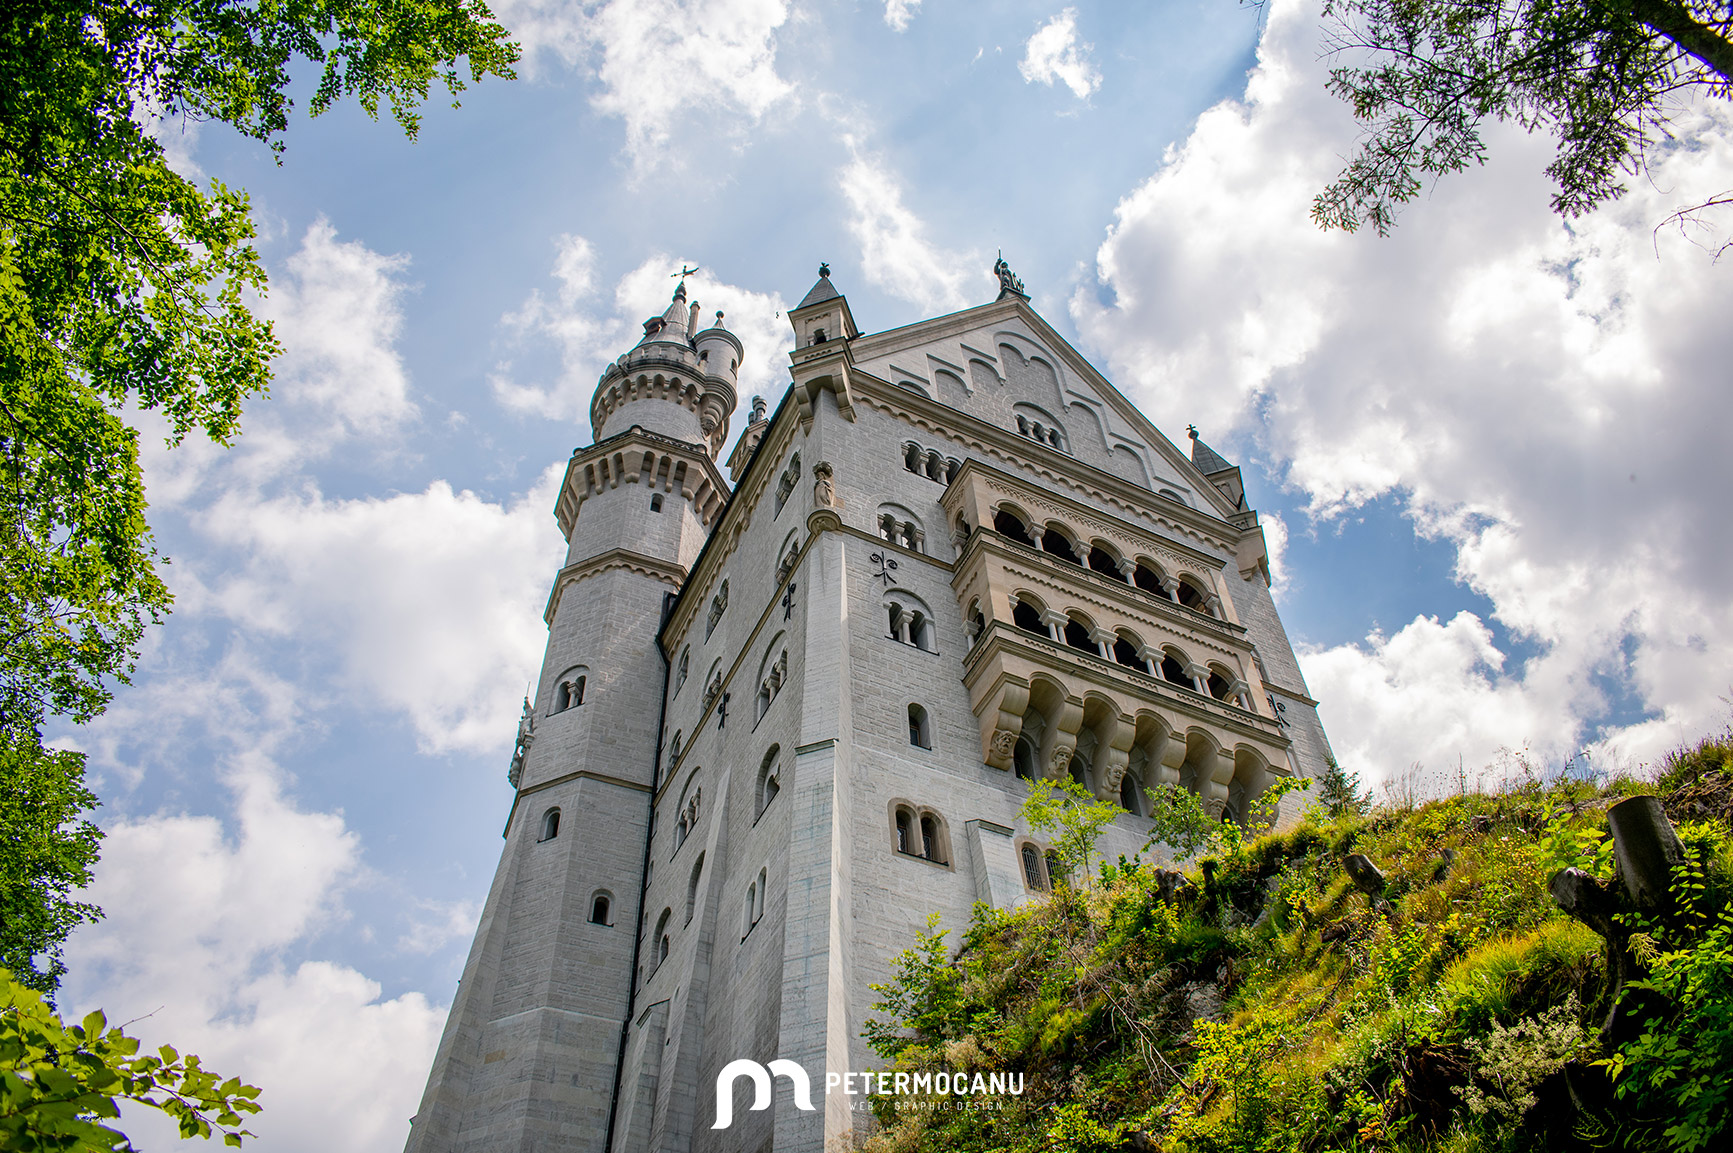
x: 1002, y: 361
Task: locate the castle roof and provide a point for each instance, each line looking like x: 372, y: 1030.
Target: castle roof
x: 1207, y: 459
x: 822, y: 291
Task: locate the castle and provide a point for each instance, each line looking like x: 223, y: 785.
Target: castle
x: 787, y: 713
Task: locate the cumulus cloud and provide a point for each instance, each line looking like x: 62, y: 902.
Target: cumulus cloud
x: 896, y: 254
x: 661, y: 62
x: 898, y: 13
x: 589, y: 331
x: 338, y: 315
x: 1054, y: 53
x: 210, y: 920
x: 1533, y: 391
x: 367, y: 578
x: 198, y: 922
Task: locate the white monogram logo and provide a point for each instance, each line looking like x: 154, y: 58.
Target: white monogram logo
x: 760, y: 1077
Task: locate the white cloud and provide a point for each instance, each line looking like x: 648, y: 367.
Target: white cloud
x: 1053, y: 53
x: 662, y: 61
x: 1534, y: 393
x: 337, y: 314
x: 430, y: 602
x: 590, y: 333
x: 898, y: 13
x: 895, y: 252
x: 198, y: 922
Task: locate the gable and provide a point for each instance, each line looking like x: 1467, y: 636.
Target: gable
x: 1005, y: 365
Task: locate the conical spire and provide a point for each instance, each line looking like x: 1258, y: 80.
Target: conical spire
x: 822, y: 291
x: 1207, y: 459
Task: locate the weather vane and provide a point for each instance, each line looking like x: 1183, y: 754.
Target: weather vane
x: 684, y: 271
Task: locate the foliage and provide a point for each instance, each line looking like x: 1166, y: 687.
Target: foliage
x: 1179, y: 821
x: 1075, y: 817
x: 1272, y: 1006
x: 59, y: 1082
x: 1604, y: 79
x: 1510, y: 1063
x: 1340, y: 792
x: 1677, y: 1067
x: 46, y: 851
x: 123, y: 290
x: 1570, y: 845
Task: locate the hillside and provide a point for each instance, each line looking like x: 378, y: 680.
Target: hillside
x: 1270, y: 1001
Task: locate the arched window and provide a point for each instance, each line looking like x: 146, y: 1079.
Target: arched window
x: 920, y: 833
x: 692, y: 888
x: 1080, y: 772
x: 1191, y: 598
x: 785, y: 484
x: 718, y: 604
x: 674, y: 749
x: 550, y: 824
x: 1034, y: 869
x: 601, y: 906
x: 1007, y: 523
x: 763, y: 892
x: 569, y: 689
x: 751, y: 908
x: 1173, y: 670
x: 1039, y: 425
x: 1105, y: 563
x: 909, y: 620
x: 1125, y: 652
x: 691, y: 803
x: 790, y: 554
x: 952, y: 468
x: 920, y: 728
x: 684, y: 667
x: 1129, y: 792
x: 912, y: 457
x: 772, y: 675
x: 1023, y: 758
x: 661, y: 938
x: 901, y: 527
x: 1058, y: 544
x: 769, y: 779
x: 1150, y: 581
x: 1219, y: 686
x: 656, y: 503
x: 1077, y: 636
x: 1028, y: 618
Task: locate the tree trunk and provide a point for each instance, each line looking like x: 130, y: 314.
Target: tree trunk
x: 1647, y: 850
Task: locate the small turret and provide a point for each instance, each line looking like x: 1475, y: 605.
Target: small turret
x: 822, y: 314
x: 675, y: 381
x: 719, y: 355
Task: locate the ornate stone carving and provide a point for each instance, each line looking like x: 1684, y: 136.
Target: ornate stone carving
x: 1004, y: 741
x: 823, y: 488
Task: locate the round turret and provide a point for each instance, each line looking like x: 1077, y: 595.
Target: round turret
x: 671, y: 382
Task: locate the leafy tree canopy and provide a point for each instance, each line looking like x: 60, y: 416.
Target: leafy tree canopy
x: 122, y: 282
x: 1603, y: 76
x: 123, y: 288
x: 59, y: 1082
x: 46, y: 851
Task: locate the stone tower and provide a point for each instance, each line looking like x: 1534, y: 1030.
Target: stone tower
x: 529, y: 1053
x: 953, y: 559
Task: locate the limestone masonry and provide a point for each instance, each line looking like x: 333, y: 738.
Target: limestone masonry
x: 785, y: 713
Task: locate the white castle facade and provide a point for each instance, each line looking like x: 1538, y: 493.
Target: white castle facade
x: 785, y: 714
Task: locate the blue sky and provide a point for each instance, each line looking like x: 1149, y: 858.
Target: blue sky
x: 1480, y: 446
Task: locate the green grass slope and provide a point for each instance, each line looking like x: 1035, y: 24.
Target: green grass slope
x: 1273, y: 1005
